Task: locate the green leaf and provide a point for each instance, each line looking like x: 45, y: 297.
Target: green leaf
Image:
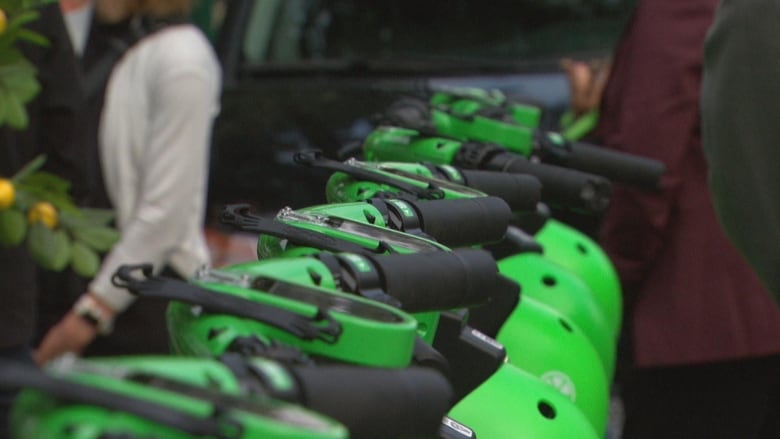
x: 16, y: 21
x: 97, y: 238
x: 47, y: 181
x: 45, y: 186
x: 16, y: 113
x: 62, y: 202
x: 86, y: 218
x: 84, y: 261
x: 98, y: 217
x: 49, y: 248
x: 11, y: 7
x: 13, y: 227
x: 34, y: 165
x: 61, y: 250
x: 18, y: 82
x: 32, y: 37
x: 11, y: 55
x: 3, y: 108
x: 21, y: 82
x: 14, y: 7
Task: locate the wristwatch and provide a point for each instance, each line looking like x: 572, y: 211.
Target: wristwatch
x: 91, y: 312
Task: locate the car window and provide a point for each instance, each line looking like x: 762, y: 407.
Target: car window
x: 310, y: 31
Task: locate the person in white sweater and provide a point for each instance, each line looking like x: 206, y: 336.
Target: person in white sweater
x: 160, y: 103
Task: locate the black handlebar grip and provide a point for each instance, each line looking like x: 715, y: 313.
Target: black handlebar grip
x: 620, y: 167
x: 464, y: 222
x: 378, y: 403
x: 561, y: 187
x: 521, y: 192
x: 439, y: 280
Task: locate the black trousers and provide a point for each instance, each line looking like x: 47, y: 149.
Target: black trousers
x: 729, y: 400
x: 20, y: 354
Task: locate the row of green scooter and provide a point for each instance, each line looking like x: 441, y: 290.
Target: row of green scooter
x: 433, y: 296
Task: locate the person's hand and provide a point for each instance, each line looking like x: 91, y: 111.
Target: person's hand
x: 587, y: 80
x: 72, y: 334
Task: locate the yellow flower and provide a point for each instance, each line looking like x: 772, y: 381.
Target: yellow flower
x: 7, y: 192
x: 44, y: 213
x: 3, y: 21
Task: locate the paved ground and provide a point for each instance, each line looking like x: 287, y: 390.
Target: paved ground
x: 230, y: 248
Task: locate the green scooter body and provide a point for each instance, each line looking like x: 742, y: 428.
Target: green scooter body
x: 313, y: 218
x: 555, y: 286
x: 514, y: 404
x: 463, y: 121
x: 576, y: 252
x: 393, y: 144
x: 562, y: 244
x: 538, y: 275
x: 470, y: 101
x: 36, y: 414
x: 366, y: 235
x: 365, y: 324
x: 542, y: 342
x: 310, y: 272
x: 546, y: 343
x: 487, y: 117
x: 343, y: 188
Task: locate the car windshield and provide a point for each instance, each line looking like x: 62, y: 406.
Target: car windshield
x: 495, y: 31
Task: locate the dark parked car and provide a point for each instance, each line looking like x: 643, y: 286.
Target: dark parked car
x: 302, y: 74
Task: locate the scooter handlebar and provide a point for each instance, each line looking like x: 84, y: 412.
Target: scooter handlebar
x: 377, y: 403
x: 464, y: 222
x: 620, y: 167
x: 561, y: 186
x: 520, y: 192
x: 439, y: 280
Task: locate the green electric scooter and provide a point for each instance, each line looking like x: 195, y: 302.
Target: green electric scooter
x: 230, y: 397
x: 469, y: 119
x: 540, y: 278
x: 585, y: 373
x: 561, y: 187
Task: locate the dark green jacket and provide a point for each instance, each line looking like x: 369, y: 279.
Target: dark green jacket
x: 741, y: 129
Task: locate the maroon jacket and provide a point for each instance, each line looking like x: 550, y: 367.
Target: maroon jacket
x: 694, y: 298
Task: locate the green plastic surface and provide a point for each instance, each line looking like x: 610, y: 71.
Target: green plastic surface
x: 513, y: 404
x: 539, y: 276
x: 563, y: 291
x: 310, y: 272
x: 400, y: 144
x: 195, y: 333
x: 38, y: 415
x: 542, y: 342
x: 512, y: 136
x: 578, y: 253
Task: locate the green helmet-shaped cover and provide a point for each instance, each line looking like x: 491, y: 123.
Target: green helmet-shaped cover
x: 513, y: 404
x: 550, y: 284
x: 133, y: 403
x: 573, y: 250
x: 540, y: 341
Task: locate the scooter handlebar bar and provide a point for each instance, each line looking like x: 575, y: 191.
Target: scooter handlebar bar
x: 379, y: 403
x: 439, y: 280
x: 466, y: 221
x: 520, y: 192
